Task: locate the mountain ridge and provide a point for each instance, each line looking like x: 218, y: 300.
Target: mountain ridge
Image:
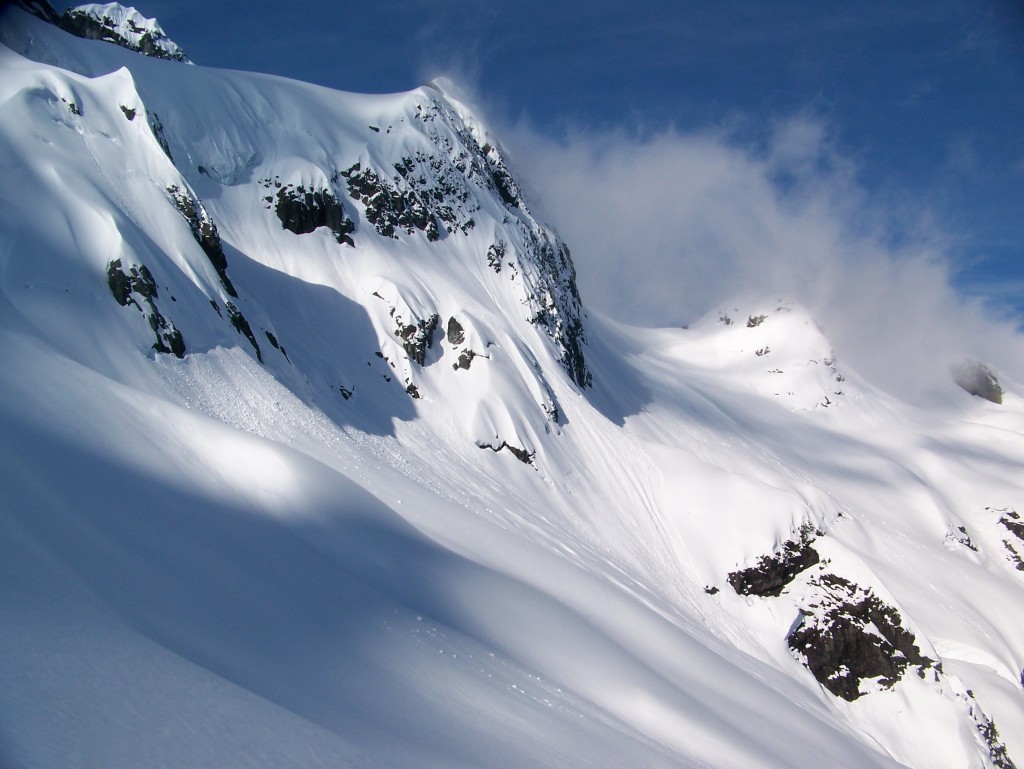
x: 111, y: 23
x: 284, y: 419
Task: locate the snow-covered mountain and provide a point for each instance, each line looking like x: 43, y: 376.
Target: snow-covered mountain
x: 312, y: 456
x: 112, y: 23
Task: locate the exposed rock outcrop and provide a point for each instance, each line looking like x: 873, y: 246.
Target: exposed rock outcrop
x: 387, y: 207
x: 524, y: 456
x: 417, y: 337
x: 455, y: 334
x: 303, y: 210
x: 977, y: 379
x: 126, y: 27
x: 557, y: 305
x: 1012, y: 522
x: 158, y: 133
x: 465, y: 360
x: 495, y: 255
x: 848, y: 635
x: 539, y: 261
x: 960, y: 536
x: 204, y: 230
x: 241, y: 325
x: 136, y: 287
x: 773, y: 572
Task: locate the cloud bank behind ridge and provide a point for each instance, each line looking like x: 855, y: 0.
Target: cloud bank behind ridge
x: 667, y: 227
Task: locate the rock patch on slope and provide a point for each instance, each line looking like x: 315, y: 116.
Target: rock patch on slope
x: 524, y: 456
x: 387, y: 207
x: 136, y: 287
x: 204, y: 230
x: 848, y: 635
x: 417, y: 337
x: 773, y: 572
x: 303, y: 210
x: 978, y: 380
x: 241, y: 325
x: 1012, y: 522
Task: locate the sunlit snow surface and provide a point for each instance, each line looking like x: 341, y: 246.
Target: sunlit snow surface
x: 210, y: 561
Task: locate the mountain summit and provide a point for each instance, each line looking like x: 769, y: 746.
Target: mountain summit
x: 112, y: 23
x: 312, y: 455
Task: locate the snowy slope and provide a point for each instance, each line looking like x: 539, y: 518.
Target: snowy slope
x: 311, y: 456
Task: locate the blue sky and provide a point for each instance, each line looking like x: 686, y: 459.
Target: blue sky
x: 923, y: 102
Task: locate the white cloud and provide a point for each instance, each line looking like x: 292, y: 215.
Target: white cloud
x: 667, y: 227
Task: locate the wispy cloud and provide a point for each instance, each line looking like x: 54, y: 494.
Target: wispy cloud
x: 667, y: 227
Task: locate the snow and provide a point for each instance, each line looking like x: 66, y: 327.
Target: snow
x: 214, y: 561
x: 131, y: 26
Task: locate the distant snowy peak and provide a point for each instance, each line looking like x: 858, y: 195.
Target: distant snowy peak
x: 112, y: 23
x: 774, y: 349
x: 122, y: 26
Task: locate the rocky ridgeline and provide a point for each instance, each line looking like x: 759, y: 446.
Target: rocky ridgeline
x: 111, y: 23
x: 437, y: 193
x: 540, y: 260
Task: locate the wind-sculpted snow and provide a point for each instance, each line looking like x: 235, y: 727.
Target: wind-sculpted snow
x: 312, y: 457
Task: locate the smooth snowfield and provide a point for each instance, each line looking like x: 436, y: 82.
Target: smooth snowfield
x: 217, y: 561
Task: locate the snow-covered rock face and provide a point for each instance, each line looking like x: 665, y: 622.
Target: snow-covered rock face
x: 112, y: 23
x: 311, y: 456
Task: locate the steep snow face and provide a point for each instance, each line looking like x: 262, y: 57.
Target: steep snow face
x: 312, y: 456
